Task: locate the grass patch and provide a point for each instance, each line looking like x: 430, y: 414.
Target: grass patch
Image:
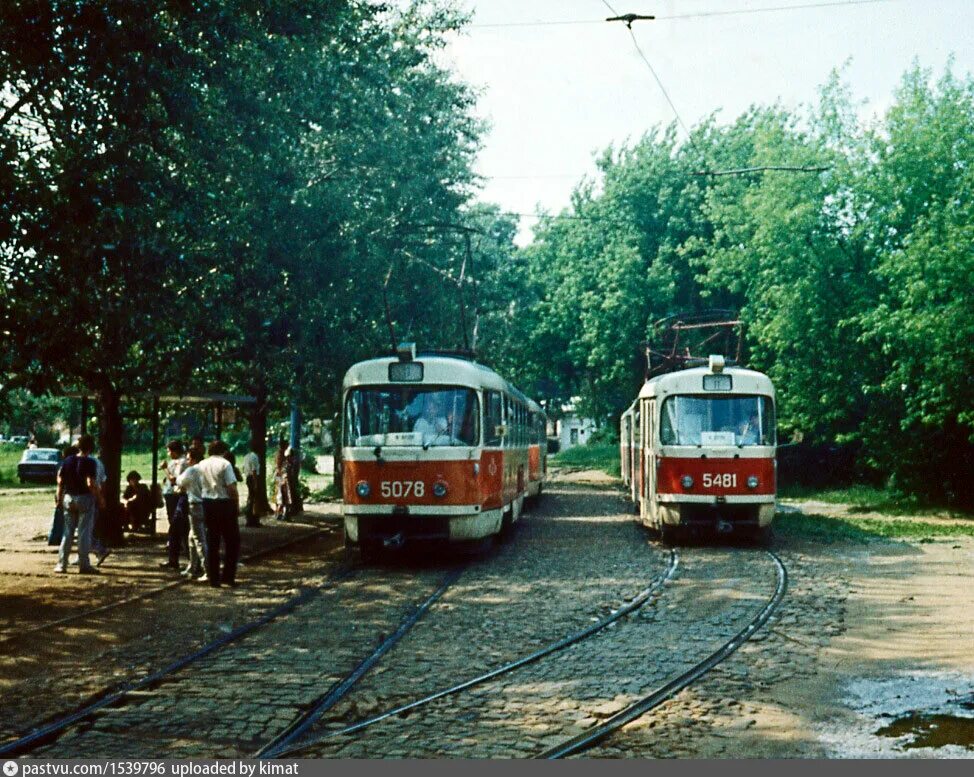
x: 867, y: 499
x: 603, y: 456
x: 828, y: 529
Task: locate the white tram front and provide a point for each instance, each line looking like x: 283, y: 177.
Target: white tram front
x: 698, y: 450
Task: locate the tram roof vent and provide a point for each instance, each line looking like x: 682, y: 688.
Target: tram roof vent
x: 406, y: 351
x: 716, y: 362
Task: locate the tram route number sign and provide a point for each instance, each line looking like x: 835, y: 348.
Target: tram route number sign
x: 406, y: 372
x: 398, y: 489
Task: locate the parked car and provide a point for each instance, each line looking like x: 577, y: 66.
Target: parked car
x: 39, y: 464
x: 19, y: 439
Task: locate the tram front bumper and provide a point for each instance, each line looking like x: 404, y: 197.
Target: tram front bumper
x: 743, y: 515
x: 452, y: 527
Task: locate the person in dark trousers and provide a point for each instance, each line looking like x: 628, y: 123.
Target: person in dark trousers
x: 79, y: 495
x: 178, y: 536
x: 221, y: 506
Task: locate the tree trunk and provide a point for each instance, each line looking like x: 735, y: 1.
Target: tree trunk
x: 258, y: 444
x: 110, y: 438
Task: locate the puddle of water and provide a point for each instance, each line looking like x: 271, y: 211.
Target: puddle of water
x: 923, y: 714
x: 926, y: 730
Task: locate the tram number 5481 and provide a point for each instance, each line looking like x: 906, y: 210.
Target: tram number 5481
x: 402, y: 488
x: 725, y: 480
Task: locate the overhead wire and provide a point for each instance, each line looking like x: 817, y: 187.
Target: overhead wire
x: 693, y: 15
x: 659, y: 81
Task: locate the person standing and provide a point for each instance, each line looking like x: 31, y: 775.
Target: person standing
x: 178, y: 536
x: 221, y: 506
x: 96, y: 532
x: 250, y: 468
x: 282, y: 490
x: 191, y: 484
x: 292, y: 465
x: 78, y: 494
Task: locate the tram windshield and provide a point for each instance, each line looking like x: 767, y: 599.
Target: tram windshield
x: 411, y: 416
x: 737, y: 420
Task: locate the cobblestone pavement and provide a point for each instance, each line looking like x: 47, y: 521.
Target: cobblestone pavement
x: 51, y: 671
x: 573, y: 560
x: 707, y: 719
x: 233, y: 701
x: 713, y: 594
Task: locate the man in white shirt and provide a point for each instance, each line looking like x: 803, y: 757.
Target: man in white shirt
x: 250, y: 469
x: 191, y: 483
x: 221, y: 505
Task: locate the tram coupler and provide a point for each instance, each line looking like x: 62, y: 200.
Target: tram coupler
x: 394, y: 542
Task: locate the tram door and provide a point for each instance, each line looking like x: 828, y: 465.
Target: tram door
x: 651, y: 455
x: 647, y: 474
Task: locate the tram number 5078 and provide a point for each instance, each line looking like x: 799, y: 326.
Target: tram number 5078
x: 402, y: 488
x: 725, y: 480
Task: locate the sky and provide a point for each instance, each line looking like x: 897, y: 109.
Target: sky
x: 558, y: 84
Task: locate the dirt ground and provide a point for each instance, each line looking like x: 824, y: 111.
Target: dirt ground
x: 894, y: 678
x: 902, y: 668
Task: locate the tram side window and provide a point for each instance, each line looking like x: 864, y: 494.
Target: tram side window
x: 637, y: 429
x: 493, y: 418
x: 511, y: 440
x: 515, y: 425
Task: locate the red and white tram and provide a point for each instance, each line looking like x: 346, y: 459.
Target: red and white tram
x: 698, y: 450
x: 436, y: 447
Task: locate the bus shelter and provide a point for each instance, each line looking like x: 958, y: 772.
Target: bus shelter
x: 219, y: 402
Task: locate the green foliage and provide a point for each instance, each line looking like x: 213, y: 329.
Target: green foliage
x: 592, y: 456
x: 854, y: 284
x: 205, y: 196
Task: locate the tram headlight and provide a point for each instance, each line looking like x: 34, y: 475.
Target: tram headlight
x: 753, y: 482
x: 362, y: 489
x: 439, y: 489
x: 686, y: 481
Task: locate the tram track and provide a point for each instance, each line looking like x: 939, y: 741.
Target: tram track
x: 280, y: 744
x: 637, y: 601
x: 49, y: 730
x: 491, y: 736
x: 581, y: 743
x: 146, y: 686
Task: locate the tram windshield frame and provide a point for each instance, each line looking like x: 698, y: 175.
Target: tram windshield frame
x: 412, y: 416
x: 739, y: 420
